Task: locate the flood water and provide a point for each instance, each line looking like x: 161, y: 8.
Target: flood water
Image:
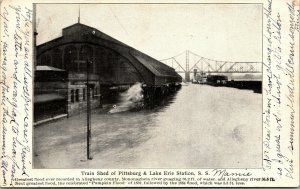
x: 199, y: 127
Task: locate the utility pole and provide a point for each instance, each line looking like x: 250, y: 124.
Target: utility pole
x: 88, y: 111
x: 34, y: 37
x: 187, y: 69
x: 79, y: 13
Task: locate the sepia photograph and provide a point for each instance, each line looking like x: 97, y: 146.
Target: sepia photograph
x: 172, y: 86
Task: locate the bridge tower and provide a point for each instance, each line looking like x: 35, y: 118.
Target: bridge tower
x: 187, y: 67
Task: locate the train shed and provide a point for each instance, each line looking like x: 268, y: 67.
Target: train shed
x: 113, y: 65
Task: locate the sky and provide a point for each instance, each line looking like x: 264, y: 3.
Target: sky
x: 224, y: 32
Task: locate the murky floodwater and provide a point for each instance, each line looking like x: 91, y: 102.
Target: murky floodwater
x: 199, y: 127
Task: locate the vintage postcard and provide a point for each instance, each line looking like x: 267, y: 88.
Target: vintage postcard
x: 150, y: 93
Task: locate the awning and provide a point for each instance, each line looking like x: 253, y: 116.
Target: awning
x: 48, y: 68
x: 42, y: 98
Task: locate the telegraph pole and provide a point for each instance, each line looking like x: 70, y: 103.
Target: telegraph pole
x: 88, y: 111
x: 34, y: 36
x: 187, y: 66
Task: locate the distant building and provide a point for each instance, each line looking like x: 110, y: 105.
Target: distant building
x: 61, y: 70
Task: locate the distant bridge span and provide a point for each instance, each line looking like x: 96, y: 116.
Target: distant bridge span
x: 206, y: 65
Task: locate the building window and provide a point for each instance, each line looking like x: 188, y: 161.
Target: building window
x: 86, y: 53
x: 46, y: 60
x: 70, y: 55
x: 83, y: 94
x: 57, y: 58
x: 95, y: 92
x: 92, y: 92
x: 38, y: 62
x: 100, y: 59
x: 72, y: 95
x: 111, y: 58
x: 77, y: 95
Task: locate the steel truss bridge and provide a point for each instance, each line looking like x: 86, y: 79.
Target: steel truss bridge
x: 188, y: 62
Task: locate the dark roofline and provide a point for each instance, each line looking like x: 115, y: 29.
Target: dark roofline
x: 110, y: 39
x: 114, y: 40
x: 52, y: 40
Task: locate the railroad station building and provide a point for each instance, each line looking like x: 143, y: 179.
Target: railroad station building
x: 61, y: 71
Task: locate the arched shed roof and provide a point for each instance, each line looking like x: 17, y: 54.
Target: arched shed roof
x: 82, y: 33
